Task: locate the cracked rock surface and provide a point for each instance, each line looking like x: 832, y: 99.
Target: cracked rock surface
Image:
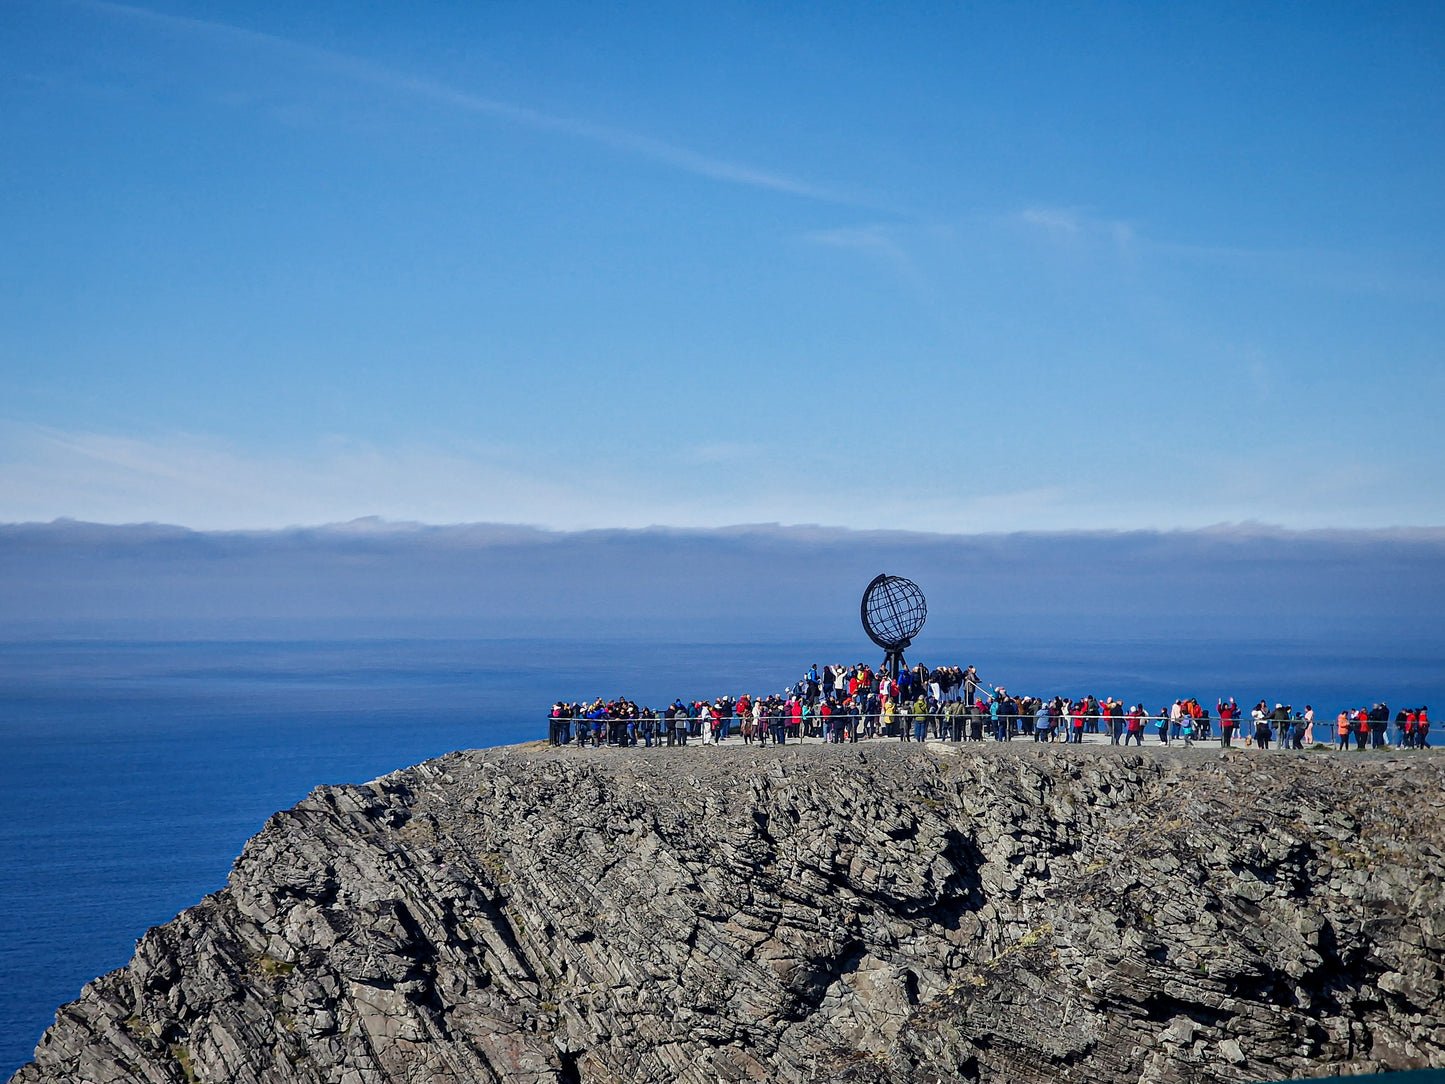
x: 866, y: 913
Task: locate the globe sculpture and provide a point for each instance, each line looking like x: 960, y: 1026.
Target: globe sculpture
x: 893, y: 611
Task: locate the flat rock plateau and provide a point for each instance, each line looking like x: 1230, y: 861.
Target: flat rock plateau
x: 858, y: 913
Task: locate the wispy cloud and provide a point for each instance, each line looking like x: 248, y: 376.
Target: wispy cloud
x: 875, y: 240
x: 424, y: 89
x: 200, y: 480
x: 886, y: 245
x: 1351, y: 273
x: 1064, y: 222
x: 722, y: 452
x: 1360, y: 274
x: 1051, y: 218
x: 208, y: 483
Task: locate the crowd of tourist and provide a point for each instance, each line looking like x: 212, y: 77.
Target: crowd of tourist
x: 950, y: 703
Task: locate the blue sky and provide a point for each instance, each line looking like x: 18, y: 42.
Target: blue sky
x: 945, y: 268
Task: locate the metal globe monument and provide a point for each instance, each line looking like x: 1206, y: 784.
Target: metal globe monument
x: 893, y: 610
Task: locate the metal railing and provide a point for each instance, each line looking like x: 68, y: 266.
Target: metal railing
x: 1323, y: 733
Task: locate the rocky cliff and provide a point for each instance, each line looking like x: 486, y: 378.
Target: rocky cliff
x: 862, y: 913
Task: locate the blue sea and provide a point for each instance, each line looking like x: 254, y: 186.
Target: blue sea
x: 133, y: 772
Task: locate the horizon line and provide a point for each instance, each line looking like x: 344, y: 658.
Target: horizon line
x: 383, y: 525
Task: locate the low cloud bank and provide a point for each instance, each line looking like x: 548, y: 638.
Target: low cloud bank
x: 760, y: 583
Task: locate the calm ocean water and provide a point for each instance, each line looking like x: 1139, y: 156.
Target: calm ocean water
x: 132, y: 773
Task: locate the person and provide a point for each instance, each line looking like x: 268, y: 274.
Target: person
x: 1309, y: 726
x: 1281, y: 727
x: 1422, y: 728
x: 1007, y: 716
x: 1262, y: 734
x: 1044, y: 722
x: 1342, y: 726
x: 1226, y: 721
x: 1135, y: 725
x: 920, y: 719
x: 1379, y: 723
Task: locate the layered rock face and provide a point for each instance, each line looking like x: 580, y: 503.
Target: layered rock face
x: 868, y: 913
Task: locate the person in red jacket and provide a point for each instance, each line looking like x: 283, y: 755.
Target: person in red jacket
x: 1228, y: 713
x: 1135, y: 725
